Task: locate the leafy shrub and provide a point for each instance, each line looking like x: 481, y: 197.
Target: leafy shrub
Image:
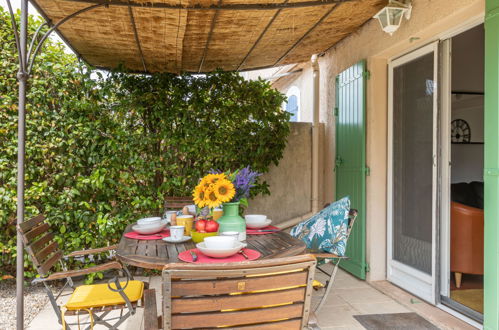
x: 103, y: 151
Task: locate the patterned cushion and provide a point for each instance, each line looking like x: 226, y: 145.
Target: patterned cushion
x: 326, y: 231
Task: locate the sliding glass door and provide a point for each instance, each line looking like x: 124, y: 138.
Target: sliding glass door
x: 412, y: 171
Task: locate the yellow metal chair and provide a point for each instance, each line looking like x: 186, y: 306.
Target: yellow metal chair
x: 98, y: 300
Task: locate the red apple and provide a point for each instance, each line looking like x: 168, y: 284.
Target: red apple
x: 200, y: 226
x: 211, y: 226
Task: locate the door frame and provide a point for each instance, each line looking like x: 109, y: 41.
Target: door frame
x: 414, y: 281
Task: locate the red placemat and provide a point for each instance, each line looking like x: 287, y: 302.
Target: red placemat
x: 251, y: 231
x: 203, y: 259
x: 160, y: 235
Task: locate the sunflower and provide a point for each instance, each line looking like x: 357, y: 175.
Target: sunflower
x: 199, y: 194
x: 210, y: 198
x: 205, y: 182
x: 224, y: 190
x: 213, y: 178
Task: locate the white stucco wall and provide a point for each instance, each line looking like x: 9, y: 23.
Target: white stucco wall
x: 431, y: 20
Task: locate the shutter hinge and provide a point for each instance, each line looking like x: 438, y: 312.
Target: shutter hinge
x: 367, y: 170
x: 366, y: 74
x: 368, y: 268
x: 336, y: 111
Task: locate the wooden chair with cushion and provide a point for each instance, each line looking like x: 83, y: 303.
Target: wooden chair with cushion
x: 98, y: 300
x: 323, y: 259
x: 262, y: 294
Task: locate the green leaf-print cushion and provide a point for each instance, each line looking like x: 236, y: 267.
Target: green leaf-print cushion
x: 327, y: 230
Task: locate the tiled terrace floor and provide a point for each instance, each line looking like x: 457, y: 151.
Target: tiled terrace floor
x: 349, y: 297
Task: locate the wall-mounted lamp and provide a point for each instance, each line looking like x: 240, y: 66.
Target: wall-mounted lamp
x: 390, y: 17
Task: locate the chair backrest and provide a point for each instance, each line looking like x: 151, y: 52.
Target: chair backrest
x: 177, y: 203
x: 39, y: 243
x: 352, y: 216
x: 272, y: 293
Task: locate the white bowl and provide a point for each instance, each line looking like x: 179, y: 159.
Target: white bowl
x: 149, y: 229
x: 219, y: 253
x: 220, y: 242
x: 149, y: 221
x: 255, y: 219
x: 260, y: 225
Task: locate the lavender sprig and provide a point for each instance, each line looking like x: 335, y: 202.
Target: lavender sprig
x: 245, y: 180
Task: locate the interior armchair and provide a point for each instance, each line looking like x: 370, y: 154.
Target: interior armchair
x: 98, y: 300
x: 466, y: 241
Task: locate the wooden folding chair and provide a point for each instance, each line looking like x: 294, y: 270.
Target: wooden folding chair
x: 98, y: 300
x: 325, y: 258
x: 177, y: 203
x: 262, y: 294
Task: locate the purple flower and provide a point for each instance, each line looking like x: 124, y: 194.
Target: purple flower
x: 245, y: 180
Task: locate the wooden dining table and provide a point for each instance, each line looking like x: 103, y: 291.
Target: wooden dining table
x: 155, y: 254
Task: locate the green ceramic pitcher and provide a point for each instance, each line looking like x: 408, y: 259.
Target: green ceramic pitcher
x: 232, y: 221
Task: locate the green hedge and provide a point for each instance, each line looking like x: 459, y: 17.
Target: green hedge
x: 104, y: 149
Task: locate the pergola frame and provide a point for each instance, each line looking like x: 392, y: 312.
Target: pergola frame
x: 27, y: 57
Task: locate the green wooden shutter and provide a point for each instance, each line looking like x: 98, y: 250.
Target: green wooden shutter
x: 350, y: 165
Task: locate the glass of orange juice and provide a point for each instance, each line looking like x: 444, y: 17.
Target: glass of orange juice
x: 217, y: 213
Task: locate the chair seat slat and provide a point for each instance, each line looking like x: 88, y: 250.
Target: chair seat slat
x: 39, y: 244
x: 238, y: 317
x: 29, y: 224
x: 280, y: 281
x: 45, y: 252
x: 279, y: 325
x: 35, y: 232
x: 47, y: 265
x: 216, y: 303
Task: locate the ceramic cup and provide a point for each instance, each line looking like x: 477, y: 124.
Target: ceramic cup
x: 234, y: 234
x: 168, y: 215
x: 187, y: 221
x: 177, y: 233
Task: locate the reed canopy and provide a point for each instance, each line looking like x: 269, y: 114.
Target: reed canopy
x: 203, y: 35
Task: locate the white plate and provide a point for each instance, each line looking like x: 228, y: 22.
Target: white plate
x: 170, y: 239
x: 219, y: 253
x: 149, y: 229
x: 263, y: 225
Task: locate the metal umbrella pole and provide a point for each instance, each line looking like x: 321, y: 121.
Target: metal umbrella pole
x: 22, y: 77
x: 26, y: 61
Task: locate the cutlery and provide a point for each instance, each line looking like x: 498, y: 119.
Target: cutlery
x: 153, y: 235
x: 243, y: 254
x: 194, y: 256
x: 265, y: 230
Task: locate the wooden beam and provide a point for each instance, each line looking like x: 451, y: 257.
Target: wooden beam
x: 261, y: 36
x: 135, y: 33
x: 208, y: 40
x: 306, y: 34
x: 243, y: 6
